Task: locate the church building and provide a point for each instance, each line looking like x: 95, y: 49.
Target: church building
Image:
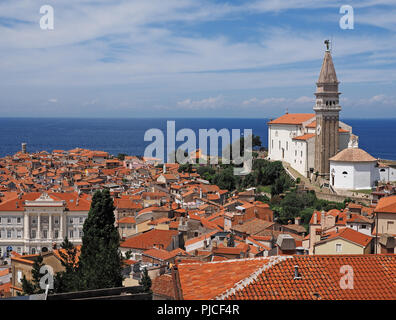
x: 308, y: 140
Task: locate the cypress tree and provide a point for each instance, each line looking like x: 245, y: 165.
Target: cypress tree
x: 100, y: 259
x: 69, y: 279
x: 145, y: 281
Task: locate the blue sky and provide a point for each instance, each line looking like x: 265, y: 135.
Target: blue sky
x: 198, y: 58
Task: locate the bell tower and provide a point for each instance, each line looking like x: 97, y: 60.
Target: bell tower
x: 327, y: 110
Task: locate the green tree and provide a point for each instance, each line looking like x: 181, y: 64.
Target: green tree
x: 145, y: 281
x: 231, y: 241
x: 100, y: 259
x: 121, y: 156
x: 69, y: 279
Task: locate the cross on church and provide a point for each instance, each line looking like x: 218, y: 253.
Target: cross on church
x: 327, y: 43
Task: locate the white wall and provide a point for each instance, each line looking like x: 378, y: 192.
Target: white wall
x: 359, y: 175
x: 388, y: 174
x: 282, y: 146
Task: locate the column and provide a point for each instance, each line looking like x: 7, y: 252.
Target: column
x: 26, y: 231
x: 38, y: 226
x: 61, y: 226
x: 50, y: 226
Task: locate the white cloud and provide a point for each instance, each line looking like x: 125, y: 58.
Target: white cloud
x: 280, y: 101
x: 207, y: 103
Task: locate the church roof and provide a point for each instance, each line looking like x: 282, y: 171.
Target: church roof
x: 293, y: 118
x: 305, y: 136
x: 353, y: 155
x: 327, y: 73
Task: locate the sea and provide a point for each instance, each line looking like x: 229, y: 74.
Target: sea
x: 376, y: 136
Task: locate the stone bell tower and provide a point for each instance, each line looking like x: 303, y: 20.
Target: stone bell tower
x: 327, y: 110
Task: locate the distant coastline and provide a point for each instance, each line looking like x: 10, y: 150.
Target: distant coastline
x: 116, y: 135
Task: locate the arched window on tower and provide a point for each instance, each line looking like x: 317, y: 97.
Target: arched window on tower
x: 345, y: 172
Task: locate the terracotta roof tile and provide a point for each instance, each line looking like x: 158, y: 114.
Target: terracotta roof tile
x: 293, y: 118
x: 272, y: 278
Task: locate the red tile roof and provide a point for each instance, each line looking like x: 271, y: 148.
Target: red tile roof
x: 163, y: 286
x: 150, y: 238
x: 204, y: 281
x: 293, y: 118
x: 272, y: 278
x: 127, y: 220
x: 305, y: 137
x: 386, y: 204
x: 349, y: 235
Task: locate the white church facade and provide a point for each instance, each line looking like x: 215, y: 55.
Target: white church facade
x: 318, y: 143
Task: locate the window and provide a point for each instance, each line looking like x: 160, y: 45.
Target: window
x: 56, y: 220
x: 8, y: 233
x: 19, y: 234
x: 19, y: 250
x: 345, y: 172
x: 19, y: 275
x: 18, y: 220
x: 363, y: 226
x: 45, y: 234
x: 81, y: 233
x: 71, y: 234
x: 33, y: 234
x: 71, y: 220
x: 301, y: 153
x: 81, y: 220
x: 338, y: 247
x: 295, y: 153
x: 56, y: 234
x: 389, y: 225
x: 8, y: 220
x: 34, y: 220
x: 33, y: 250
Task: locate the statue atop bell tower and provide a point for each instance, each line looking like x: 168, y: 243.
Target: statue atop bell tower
x: 327, y: 110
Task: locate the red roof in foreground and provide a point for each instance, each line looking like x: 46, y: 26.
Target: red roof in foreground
x: 272, y: 278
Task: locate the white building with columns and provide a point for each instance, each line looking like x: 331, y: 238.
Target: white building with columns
x: 34, y: 222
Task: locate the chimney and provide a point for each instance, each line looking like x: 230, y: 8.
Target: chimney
x: 296, y: 273
x: 23, y: 147
x: 322, y: 218
x: 315, y: 218
x: 297, y: 220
